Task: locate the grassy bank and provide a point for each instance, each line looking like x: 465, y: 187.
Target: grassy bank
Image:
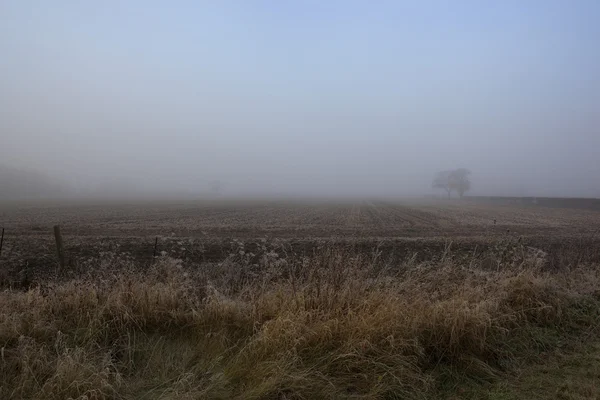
x: 334, y: 325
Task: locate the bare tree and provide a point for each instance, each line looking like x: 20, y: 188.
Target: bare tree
x: 453, y: 180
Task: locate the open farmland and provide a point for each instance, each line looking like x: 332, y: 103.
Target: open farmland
x: 212, y: 230
x: 415, y: 299
x: 287, y: 219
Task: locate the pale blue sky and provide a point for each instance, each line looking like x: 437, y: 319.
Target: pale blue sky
x: 305, y: 96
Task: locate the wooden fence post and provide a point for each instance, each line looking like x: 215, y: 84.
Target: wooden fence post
x: 155, y: 245
x: 1, y: 241
x: 59, y: 246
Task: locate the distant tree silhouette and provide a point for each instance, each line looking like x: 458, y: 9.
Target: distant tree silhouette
x: 453, y: 180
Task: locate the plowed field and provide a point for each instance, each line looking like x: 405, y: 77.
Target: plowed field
x: 211, y: 230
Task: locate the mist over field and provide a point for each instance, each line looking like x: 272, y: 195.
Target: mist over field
x: 339, y: 98
x: 340, y: 199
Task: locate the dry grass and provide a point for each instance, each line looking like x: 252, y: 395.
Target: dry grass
x: 568, y: 373
x: 335, y: 325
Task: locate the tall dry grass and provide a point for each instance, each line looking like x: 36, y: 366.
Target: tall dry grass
x: 335, y: 325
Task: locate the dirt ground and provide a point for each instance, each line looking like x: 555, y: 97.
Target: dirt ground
x: 200, y: 231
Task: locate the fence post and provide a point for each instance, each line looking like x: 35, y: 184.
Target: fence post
x: 59, y: 246
x: 155, y: 246
x: 1, y: 241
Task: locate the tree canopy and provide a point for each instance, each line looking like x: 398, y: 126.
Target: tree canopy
x: 453, y: 180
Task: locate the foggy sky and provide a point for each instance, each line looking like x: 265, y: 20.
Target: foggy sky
x: 307, y: 97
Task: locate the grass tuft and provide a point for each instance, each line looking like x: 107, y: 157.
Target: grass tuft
x: 334, y: 325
